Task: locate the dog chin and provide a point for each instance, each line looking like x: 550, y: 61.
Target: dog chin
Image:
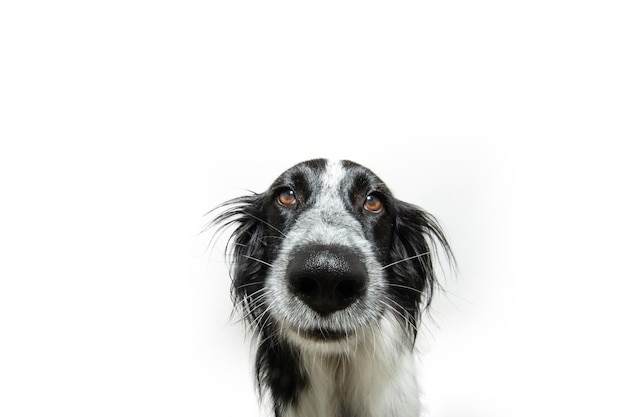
x: 320, y: 340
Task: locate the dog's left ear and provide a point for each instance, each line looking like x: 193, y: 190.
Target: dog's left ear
x: 246, y: 245
x: 418, y: 240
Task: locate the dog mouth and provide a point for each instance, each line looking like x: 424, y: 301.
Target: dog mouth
x: 322, y: 334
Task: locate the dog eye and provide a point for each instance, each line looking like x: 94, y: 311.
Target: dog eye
x: 373, y: 203
x: 287, y: 197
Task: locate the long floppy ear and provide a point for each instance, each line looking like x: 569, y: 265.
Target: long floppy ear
x: 245, y: 250
x: 418, y: 237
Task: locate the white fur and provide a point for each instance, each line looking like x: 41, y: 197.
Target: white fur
x: 376, y: 379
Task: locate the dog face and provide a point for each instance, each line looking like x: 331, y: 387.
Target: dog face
x: 325, y: 252
x: 326, y: 280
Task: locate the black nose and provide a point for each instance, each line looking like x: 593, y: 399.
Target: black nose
x: 327, y: 278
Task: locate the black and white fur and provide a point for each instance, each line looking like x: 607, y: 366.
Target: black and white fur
x: 333, y: 289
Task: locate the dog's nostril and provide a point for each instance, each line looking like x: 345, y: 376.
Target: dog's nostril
x: 349, y: 289
x: 305, y: 287
x: 327, y: 278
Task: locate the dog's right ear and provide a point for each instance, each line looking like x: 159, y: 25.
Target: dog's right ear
x: 245, y: 248
x: 417, y: 237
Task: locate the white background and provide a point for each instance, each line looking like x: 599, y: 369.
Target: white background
x: 123, y: 122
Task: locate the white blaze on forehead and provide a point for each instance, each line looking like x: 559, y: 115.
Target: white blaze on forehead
x: 328, y: 220
x: 332, y: 176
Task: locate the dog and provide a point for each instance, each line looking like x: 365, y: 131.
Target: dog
x: 331, y: 273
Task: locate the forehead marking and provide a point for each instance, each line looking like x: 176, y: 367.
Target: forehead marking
x: 332, y: 176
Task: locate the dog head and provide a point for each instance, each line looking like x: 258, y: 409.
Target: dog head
x: 325, y: 252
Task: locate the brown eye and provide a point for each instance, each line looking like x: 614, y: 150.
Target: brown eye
x: 373, y: 203
x: 287, y: 197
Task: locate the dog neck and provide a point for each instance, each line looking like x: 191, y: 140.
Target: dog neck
x: 376, y: 378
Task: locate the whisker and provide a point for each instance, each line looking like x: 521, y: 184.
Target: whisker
x: 406, y: 287
x: 254, y: 323
x: 258, y: 260
x: 250, y: 316
x: 391, y: 307
x: 268, y: 317
x: 408, y: 323
x: 264, y: 222
x: 261, y: 240
x: 405, y: 259
x: 246, y: 306
x: 248, y: 285
x: 254, y: 297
